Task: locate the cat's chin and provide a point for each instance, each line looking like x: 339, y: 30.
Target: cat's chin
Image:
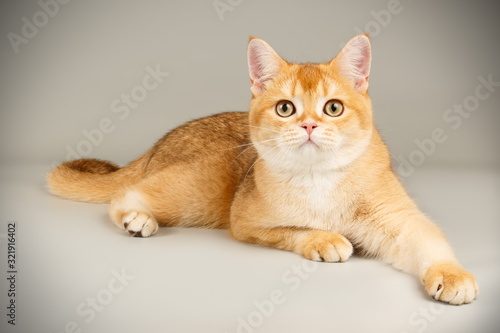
x: 309, y: 147
x: 310, y: 151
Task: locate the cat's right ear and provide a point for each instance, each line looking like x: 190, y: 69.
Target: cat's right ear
x: 263, y: 63
x: 354, y: 61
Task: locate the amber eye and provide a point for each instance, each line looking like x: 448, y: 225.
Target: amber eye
x: 285, y: 109
x: 333, y: 108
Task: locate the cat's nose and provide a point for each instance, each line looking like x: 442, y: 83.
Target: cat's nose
x: 309, y: 126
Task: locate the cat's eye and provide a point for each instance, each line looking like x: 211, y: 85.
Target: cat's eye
x: 285, y: 109
x: 333, y: 108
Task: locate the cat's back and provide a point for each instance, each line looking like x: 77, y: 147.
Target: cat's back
x: 224, y: 137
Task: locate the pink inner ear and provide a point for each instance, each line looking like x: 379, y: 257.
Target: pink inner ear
x: 355, y: 59
x: 263, y: 64
x: 363, y: 66
x: 254, y: 65
x: 364, y: 60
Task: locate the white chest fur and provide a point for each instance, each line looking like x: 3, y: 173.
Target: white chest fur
x: 309, y: 200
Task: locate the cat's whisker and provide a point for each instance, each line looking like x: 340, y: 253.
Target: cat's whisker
x: 246, y: 174
x: 248, y: 144
x: 271, y: 163
x: 243, y: 145
x: 287, y: 149
x: 268, y: 129
x: 242, y: 152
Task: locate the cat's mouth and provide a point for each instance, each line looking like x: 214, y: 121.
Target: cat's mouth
x: 309, y: 144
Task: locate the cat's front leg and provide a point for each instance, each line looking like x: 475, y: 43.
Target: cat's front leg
x: 418, y: 246
x: 317, y: 245
x: 255, y: 219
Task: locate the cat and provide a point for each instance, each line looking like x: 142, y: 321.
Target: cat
x: 305, y: 170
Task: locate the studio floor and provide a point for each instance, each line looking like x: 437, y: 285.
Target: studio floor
x: 77, y: 272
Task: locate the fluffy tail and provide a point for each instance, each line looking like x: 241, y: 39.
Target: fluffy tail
x: 89, y: 180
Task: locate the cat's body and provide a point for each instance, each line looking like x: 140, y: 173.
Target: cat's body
x: 305, y: 170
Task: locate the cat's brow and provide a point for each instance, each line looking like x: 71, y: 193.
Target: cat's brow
x: 325, y: 85
x: 310, y: 76
x: 328, y: 88
x: 288, y: 88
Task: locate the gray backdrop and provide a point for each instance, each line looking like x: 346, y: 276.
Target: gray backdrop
x: 74, y: 65
x: 66, y: 73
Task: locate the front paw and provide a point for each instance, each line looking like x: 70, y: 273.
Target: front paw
x: 449, y: 282
x: 325, y: 246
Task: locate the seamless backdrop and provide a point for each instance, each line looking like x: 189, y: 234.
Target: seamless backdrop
x: 106, y: 79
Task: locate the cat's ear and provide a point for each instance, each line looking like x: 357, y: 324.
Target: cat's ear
x: 264, y: 64
x: 354, y: 61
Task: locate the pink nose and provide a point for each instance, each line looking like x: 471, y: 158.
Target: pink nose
x: 309, y: 126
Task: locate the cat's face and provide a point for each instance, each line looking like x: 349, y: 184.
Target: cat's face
x: 309, y: 116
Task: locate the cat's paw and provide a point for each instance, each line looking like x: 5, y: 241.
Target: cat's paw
x: 449, y: 282
x: 325, y: 246
x: 139, y: 224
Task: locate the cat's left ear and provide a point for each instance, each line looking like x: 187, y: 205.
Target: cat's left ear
x: 264, y: 64
x: 354, y: 61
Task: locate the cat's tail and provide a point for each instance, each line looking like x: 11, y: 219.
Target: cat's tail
x: 90, y: 180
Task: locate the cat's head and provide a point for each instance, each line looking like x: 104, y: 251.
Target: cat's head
x: 310, y: 115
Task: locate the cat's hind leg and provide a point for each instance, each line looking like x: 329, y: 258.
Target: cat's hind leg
x: 130, y: 213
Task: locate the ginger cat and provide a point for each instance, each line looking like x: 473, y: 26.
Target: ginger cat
x: 305, y: 170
